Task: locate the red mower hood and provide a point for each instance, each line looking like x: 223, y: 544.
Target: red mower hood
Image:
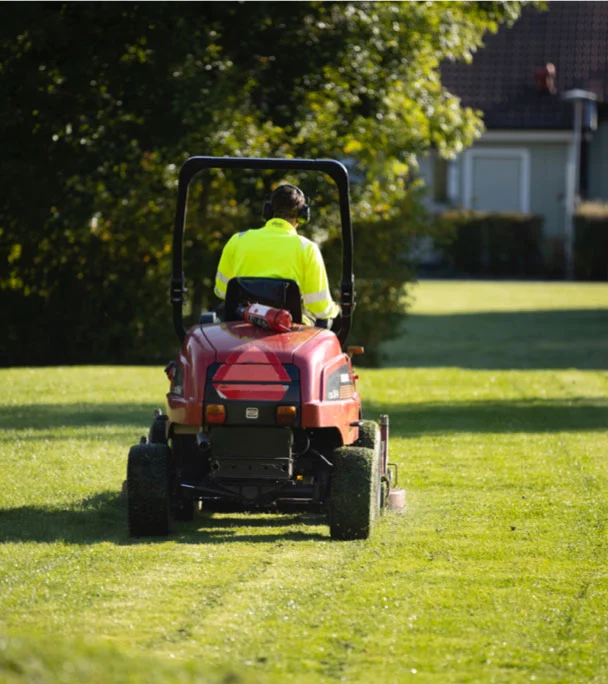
x: 244, y: 343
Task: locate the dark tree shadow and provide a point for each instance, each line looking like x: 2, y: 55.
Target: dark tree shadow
x: 51, y: 416
x: 510, y: 340
x: 92, y: 520
x: 498, y: 416
x: 103, y: 518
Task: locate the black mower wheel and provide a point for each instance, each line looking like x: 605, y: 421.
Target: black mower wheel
x: 148, y: 486
x: 158, y: 430
x: 369, y: 437
x: 354, y: 501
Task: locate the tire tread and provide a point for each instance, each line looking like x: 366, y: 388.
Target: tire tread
x: 148, y: 500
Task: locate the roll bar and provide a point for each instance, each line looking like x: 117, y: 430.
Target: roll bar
x: 334, y: 169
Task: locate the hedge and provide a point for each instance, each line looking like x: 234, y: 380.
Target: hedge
x: 591, y: 242
x: 493, y: 244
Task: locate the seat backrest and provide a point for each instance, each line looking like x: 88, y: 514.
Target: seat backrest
x: 281, y: 293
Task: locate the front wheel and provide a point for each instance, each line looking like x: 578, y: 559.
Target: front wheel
x: 148, y: 490
x: 158, y: 430
x: 354, y: 501
x: 369, y: 437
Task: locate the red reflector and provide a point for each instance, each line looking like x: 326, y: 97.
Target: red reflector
x: 286, y: 415
x: 215, y: 413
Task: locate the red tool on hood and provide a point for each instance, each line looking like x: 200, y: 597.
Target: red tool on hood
x: 266, y: 317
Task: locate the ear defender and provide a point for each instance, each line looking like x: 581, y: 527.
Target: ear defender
x: 303, y: 214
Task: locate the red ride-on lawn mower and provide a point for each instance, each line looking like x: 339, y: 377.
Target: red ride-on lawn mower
x: 260, y: 417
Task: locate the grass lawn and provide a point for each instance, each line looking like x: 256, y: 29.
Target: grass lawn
x: 496, y: 572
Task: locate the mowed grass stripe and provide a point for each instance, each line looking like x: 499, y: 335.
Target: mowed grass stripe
x: 146, y: 592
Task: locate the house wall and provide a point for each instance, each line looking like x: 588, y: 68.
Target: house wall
x: 547, y: 183
x: 598, y: 164
x: 547, y: 163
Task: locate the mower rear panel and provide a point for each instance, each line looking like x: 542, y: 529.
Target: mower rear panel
x: 244, y: 367
x: 253, y: 455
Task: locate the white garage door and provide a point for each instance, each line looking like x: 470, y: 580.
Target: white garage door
x: 497, y: 180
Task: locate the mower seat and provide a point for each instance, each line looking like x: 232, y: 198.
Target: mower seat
x: 281, y: 293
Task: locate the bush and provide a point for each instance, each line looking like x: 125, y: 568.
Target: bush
x: 383, y: 268
x: 591, y: 242
x: 492, y: 244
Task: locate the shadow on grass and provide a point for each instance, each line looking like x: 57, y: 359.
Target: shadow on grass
x: 103, y: 518
x: 575, y: 338
x: 493, y: 416
x: 94, y: 519
x: 217, y: 527
x: 45, y: 417
x: 203, y: 532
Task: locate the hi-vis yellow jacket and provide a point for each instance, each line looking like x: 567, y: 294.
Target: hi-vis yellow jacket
x: 277, y: 251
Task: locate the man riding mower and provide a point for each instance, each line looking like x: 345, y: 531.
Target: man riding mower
x: 263, y: 410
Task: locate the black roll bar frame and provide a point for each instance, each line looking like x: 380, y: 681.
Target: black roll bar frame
x: 334, y: 169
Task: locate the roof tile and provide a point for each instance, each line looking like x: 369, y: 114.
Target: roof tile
x: 500, y: 81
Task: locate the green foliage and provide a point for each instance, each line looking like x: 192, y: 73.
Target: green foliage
x: 492, y: 244
x: 591, y: 242
x: 102, y: 103
x: 382, y: 265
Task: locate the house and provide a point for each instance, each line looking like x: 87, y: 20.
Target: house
x: 536, y: 156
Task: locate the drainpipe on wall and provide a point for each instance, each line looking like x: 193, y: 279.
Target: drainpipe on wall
x: 578, y: 99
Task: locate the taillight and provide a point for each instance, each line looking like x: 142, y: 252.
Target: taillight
x: 286, y: 415
x: 215, y: 413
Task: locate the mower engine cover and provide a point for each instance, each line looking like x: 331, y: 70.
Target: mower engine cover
x: 252, y: 371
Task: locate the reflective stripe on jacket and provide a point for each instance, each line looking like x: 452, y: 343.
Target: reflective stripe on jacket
x: 277, y: 251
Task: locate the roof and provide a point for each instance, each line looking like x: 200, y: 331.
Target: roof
x: 501, y: 82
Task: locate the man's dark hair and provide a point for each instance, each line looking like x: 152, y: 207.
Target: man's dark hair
x: 287, y: 201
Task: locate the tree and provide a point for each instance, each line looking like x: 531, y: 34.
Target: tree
x: 103, y: 101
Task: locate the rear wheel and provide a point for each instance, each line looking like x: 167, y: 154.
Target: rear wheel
x: 354, y: 501
x: 148, y: 486
x: 158, y: 430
